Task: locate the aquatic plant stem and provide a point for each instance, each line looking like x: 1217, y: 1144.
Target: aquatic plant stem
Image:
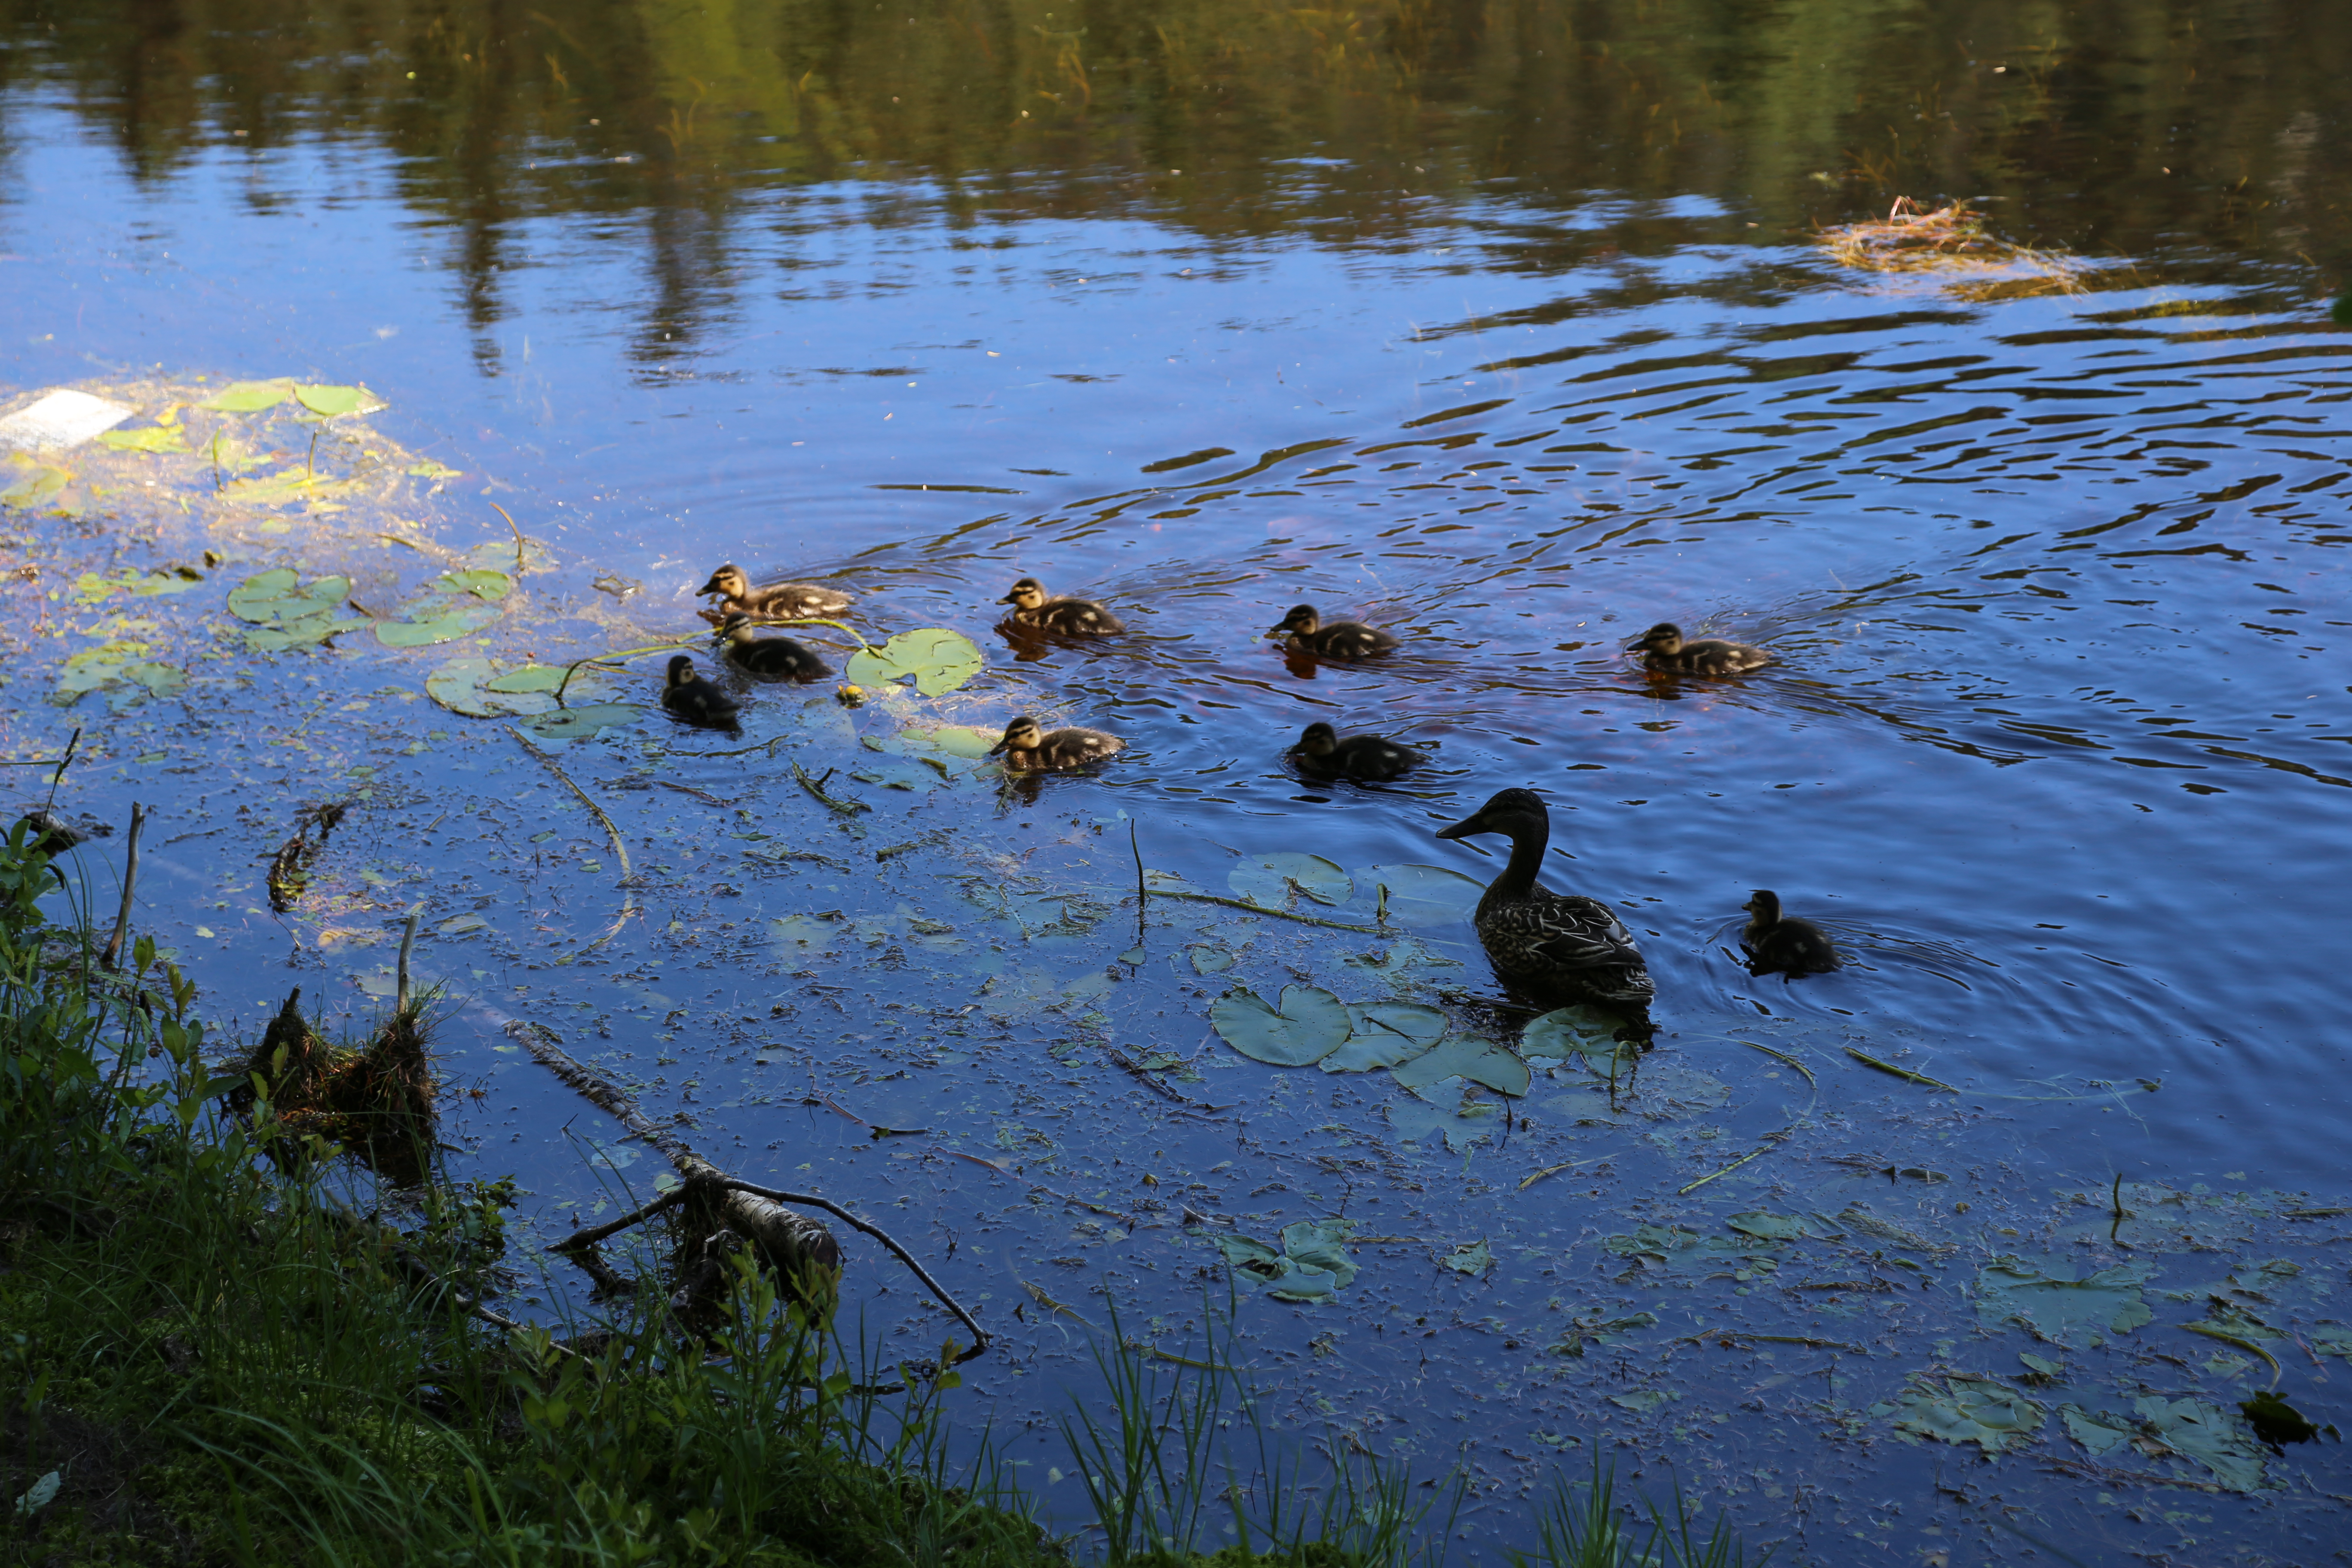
x: 619, y: 848
x: 1262, y: 909
x: 407, y: 946
x: 111, y: 957
x: 1903, y: 1073
x: 848, y: 807
x: 518, y: 533
x: 64, y: 762
x: 1142, y: 893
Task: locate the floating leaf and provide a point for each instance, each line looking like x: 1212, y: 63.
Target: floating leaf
x: 461, y: 925
x: 937, y: 660
x: 1645, y: 1401
x: 41, y: 483
x: 122, y: 663
x: 1782, y: 1227
x: 276, y: 596
x: 149, y: 438
x: 431, y: 469
x: 1966, y: 1410
x: 436, y: 618
x: 955, y: 740
x: 2219, y: 1439
x: 1461, y: 1126
x: 250, y: 396
x: 1268, y: 879
x: 1311, y: 1025
x: 2010, y: 1289
x: 1385, y: 1033
x: 330, y: 401
x: 89, y: 587
x: 1585, y: 1331
x: 1480, y: 1061
x: 1574, y: 1031
x: 473, y: 687
x: 1311, y: 1264
x: 1426, y: 895
x: 1472, y: 1258
x: 481, y: 582
x: 580, y: 723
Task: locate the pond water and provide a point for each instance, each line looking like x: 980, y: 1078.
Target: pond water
x: 1506, y: 328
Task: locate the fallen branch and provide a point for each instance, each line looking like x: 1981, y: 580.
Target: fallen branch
x: 979, y: 1335
x: 1262, y: 909
x: 817, y: 787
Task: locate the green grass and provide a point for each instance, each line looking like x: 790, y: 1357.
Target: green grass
x: 223, y: 1358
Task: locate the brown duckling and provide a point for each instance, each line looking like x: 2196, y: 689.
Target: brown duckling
x: 1321, y: 753
x: 695, y: 699
x: 756, y: 654
x: 1662, y: 648
x: 1341, y: 639
x: 1071, y: 617
x: 1025, y: 747
x: 1777, y: 945
x: 1553, y: 942
x: 777, y: 600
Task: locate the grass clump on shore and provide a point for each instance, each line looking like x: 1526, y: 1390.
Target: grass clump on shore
x: 213, y: 1353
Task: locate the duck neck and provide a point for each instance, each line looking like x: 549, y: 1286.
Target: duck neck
x: 1519, y: 879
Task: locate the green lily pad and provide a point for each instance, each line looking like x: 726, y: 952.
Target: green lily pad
x: 937, y: 659
x: 1385, y: 1035
x: 1646, y: 1401
x: 1480, y: 1061
x: 955, y: 740
x: 481, y: 582
x: 1678, y: 1247
x: 1268, y: 879
x: 582, y: 723
x: 436, y: 618
x: 2220, y: 1440
x: 1311, y: 1264
x: 1472, y: 1258
x: 1571, y: 1033
x: 119, y: 666
x: 1598, y: 1331
x: 477, y: 688
x: 462, y: 925
x: 1965, y: 1410
x: 433, y: 469
x: 41, y: 483
x: 148, y: 438
x: 276, y: 597
x: 1460, y: 1124
x: 1311, y: 1025
x: 2012, y: 1289
x: 1426, y: 895
x: 250, y: 396
x: 90, y: 587
x: 330, y: 401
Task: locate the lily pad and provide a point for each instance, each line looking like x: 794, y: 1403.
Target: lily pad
x: 582, y: 723
x: 122, y: 667
x: 1385, y: 1035
x: 474, y: 686
x: 1679, y: 1246
x: 1480, y: 1061
x: 2012, y: 1289
x: 1309, y: 1026
x: 1473, y: 1259
x: 148, y: 438
x: 433, y: 469
x: 89, y: 587
x: 436, y: 618
x: 1646, y: 1401
x: 330, y: 401
x: 937, y: 660
x: 1597, y: 1330
x: 41, y: 483
x: 1966, y: 1410
x: 955, y: 740
x: 462, y: 925
x: 276, y: 597
x: 1571, y: 1033
x: 1311, y: 1264
x: 2219, y: 1439
x: 1426, y: 895
x: 250, y: 396
x: 481, y: 582
x: 1268, y: 879
x: 1462, y: 1124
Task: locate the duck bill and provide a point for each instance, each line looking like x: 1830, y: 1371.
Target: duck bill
x: 1639, y: 645
x: 1010, y: 599
x: 998, y: 749
x: 710, y: 588
x: 1282, y: 630
x: 1469, y: 827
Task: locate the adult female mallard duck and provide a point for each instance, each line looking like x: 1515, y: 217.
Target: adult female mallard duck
x: 1662, y: 648
x: 1553, y: 942
x: 1341, y: 639
x: 1025, y: 747
x: 1071, y: 617
x: 756, y: 654
x: 1322, y: 754
x: 777, y: 600
x: 695, y: 699
x: 1777, y: 945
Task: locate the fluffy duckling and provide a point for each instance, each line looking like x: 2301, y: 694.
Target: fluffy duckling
x: 1341, y: 639
x: 1025, y: 747
x: 1662, y: 648
x: 1321, y: 753
x: 1777, y: 945
x: 695, y: 699
x: 778, y: 601
x: 1553, y: 942
x: 756, y: 654
x: 1071, y: 617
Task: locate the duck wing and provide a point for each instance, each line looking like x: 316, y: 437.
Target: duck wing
x: 1568, y: 930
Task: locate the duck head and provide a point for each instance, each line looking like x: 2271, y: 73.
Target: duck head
x: 1021, y: 735
x: 681, y: 670
x: 1319, y: 741
x: 1027, y: 594
x: 737, y: 627
x: 1511, y: 811
x: 1765, y: 906
x: 1302, y: 620
x: 728, y: 582
x: 1664, y: 637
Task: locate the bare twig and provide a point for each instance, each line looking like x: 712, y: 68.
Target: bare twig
x: 407, y: 945
x: 1262, y: 909
x: 1905, y: 1073
x: 810, y: 1200
x: 848, y: 807
x: 580, y: 1239
x: 112, y: 956
x: 63, y: 763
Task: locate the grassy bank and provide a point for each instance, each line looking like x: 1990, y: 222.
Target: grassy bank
x: 213, y: 1354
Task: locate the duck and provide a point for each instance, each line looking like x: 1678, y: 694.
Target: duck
x: 1072, y: 618
x: 1662, y: 648
x: 1341, y: 639
x: 1553, y: 942
x: 756, y: 654
x: 1323, y: 754
x: 1778, y: 945
x: 695, y: 699
x: 1026, y: 748
x: 777, y: 600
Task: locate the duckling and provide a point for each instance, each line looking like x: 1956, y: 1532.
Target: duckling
x: 1663, y: 649
x: 779, y: 601
x: 695, y: 699
x: 756, y: 654
x: 1322, y: 754
x: 1559, y: 942
x: 1027, y: 749
x: 1777, y: 945
x: 1341, y: 639
x: 1072, y: 618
